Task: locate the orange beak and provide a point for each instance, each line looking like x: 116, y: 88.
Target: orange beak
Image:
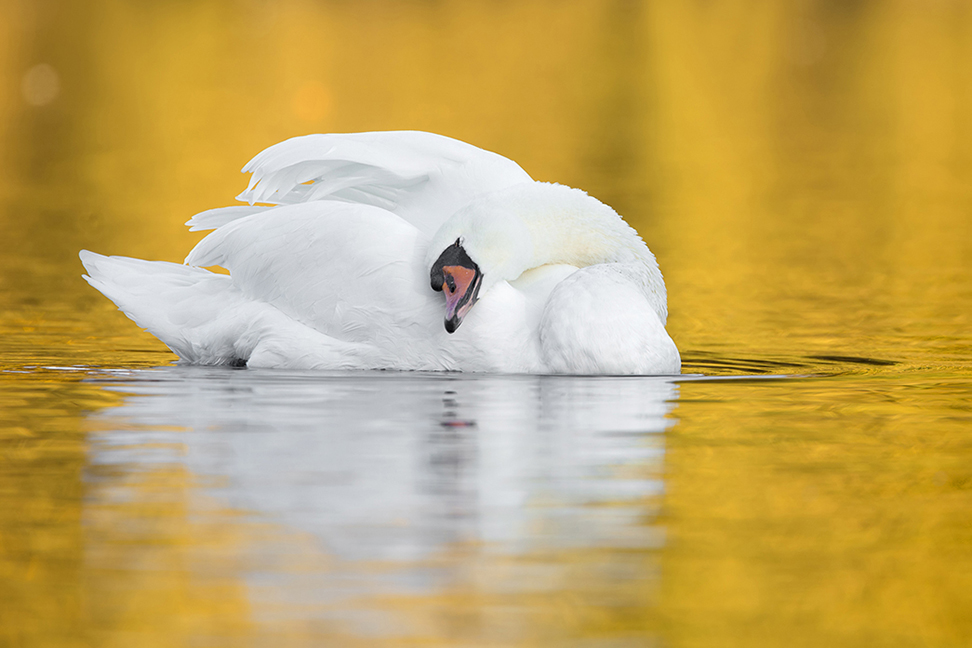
x: 461, y: 287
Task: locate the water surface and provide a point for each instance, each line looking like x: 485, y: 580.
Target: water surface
x: 802, y: 172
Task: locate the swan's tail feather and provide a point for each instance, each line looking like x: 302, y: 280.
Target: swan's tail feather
x: 181, y: 305
x: 205, y: 318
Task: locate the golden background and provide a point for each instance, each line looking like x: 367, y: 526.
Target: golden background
x: 802, y: 170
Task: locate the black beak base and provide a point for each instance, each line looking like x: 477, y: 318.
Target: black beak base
x: 451, y: 257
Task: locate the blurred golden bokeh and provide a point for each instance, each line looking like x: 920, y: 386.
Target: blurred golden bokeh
x: 802, y: 170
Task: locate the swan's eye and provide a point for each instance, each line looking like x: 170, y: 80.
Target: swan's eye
x: 442, y: 274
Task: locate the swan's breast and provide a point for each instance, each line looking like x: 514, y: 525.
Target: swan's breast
x: 499, y: 334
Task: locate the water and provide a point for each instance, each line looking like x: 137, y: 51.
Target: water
x: 801, y: 171
x: 408, y: 487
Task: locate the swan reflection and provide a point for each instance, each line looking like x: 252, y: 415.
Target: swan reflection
x: 402, y: 468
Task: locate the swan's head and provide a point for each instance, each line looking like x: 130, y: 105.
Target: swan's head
x: 460, y: 278
x: 478, y: 247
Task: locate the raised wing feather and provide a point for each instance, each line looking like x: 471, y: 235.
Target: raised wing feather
x: 213, y: 218
x: 422, y: 177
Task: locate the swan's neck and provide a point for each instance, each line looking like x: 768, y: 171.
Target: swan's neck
x: 535, y: 224
x: 568, y: 226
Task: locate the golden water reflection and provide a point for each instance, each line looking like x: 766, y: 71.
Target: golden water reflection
x: 801, y: 170
x: 372, y: 509
x: 826, y: 511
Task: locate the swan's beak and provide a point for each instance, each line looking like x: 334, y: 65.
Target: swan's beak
x: 461, y: 287
x: 458, y: 276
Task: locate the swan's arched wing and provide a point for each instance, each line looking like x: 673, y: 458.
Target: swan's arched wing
x: 350, y: 271
x: 422, y: 177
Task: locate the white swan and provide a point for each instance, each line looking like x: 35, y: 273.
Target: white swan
x: 341, y: 264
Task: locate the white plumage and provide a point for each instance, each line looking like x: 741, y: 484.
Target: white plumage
x: 332, y: 269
